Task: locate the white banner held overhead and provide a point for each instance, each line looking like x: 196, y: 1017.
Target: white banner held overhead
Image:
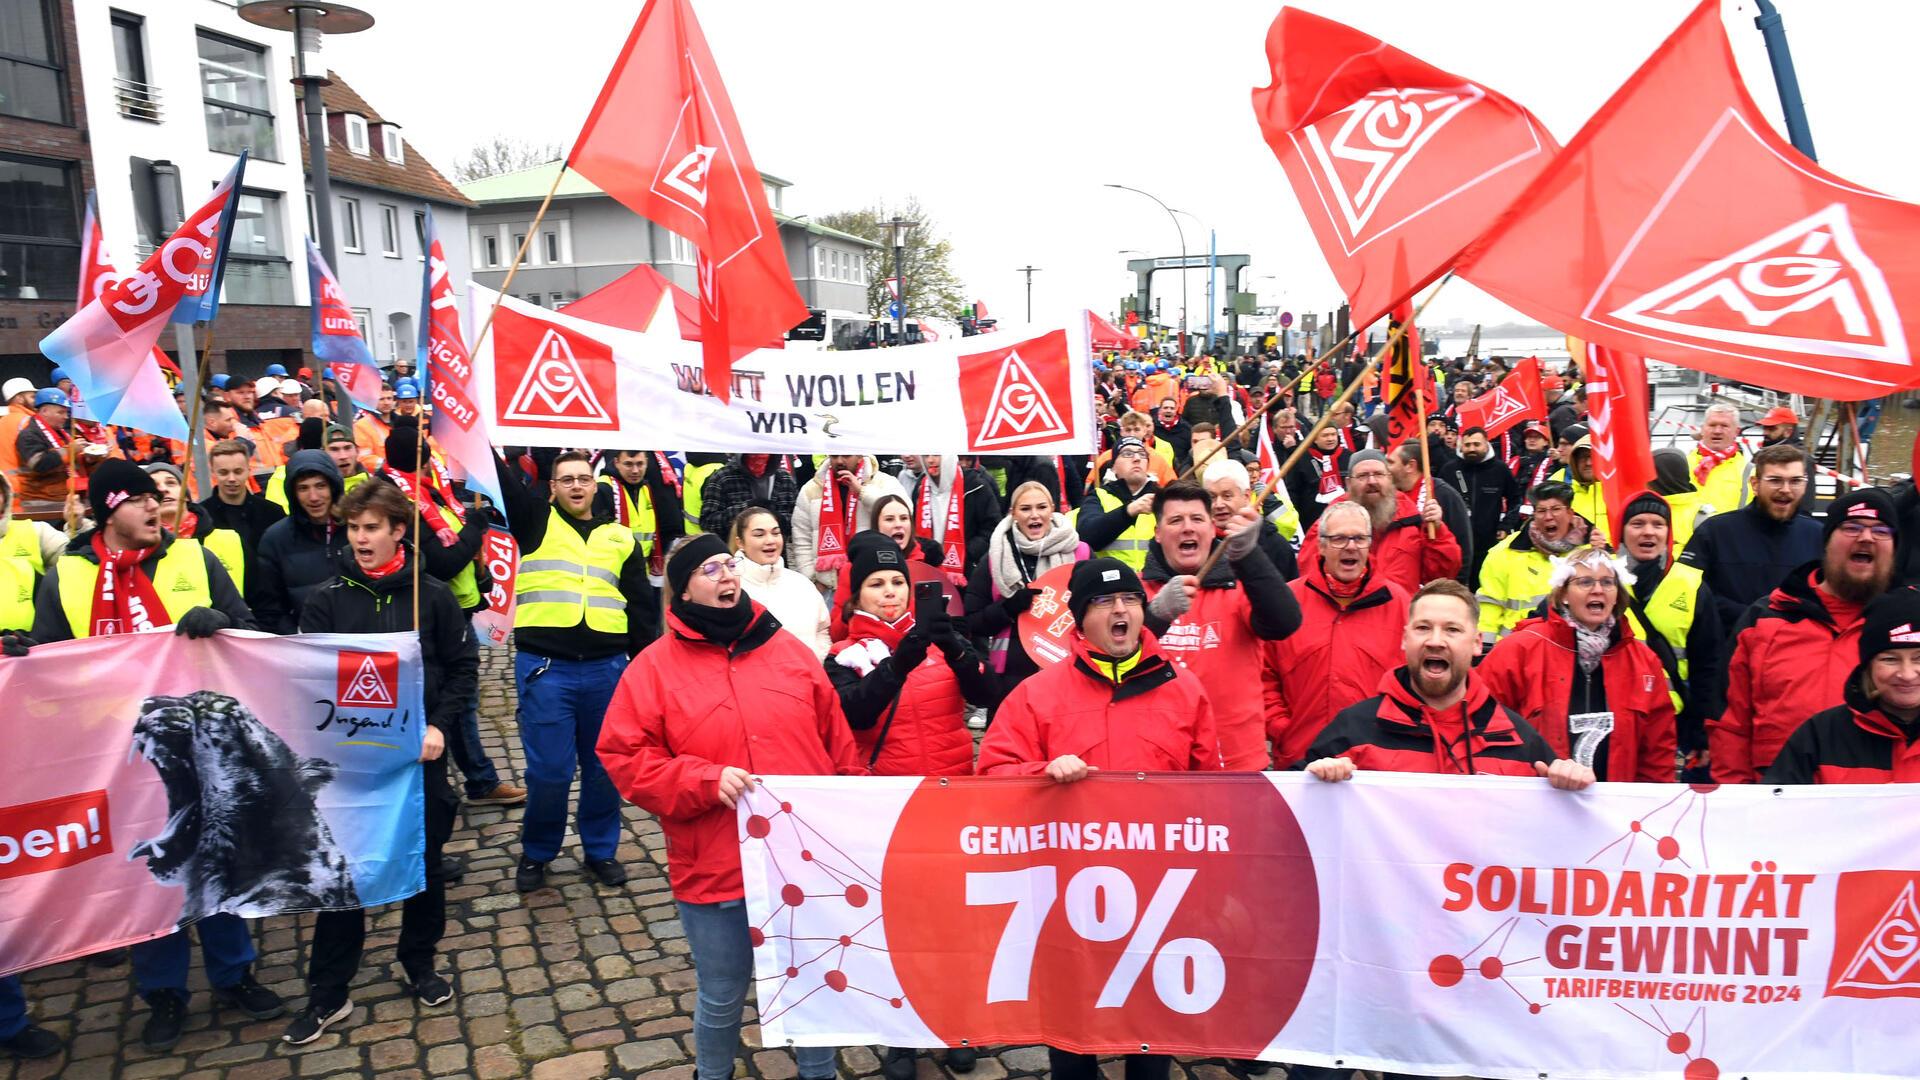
x: 547, y: 379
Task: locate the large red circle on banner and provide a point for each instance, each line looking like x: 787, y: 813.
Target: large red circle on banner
x: 1190, y: 924
x: 1046, y: 629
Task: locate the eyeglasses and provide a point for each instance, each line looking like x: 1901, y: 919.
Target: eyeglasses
x: 714, y: 569
x: 1784, y: 481
x: 1353, y: 540
x: 574, y: 481
x: 1854, y: 530
x: 1113, y: 600
x: 1604, y: 584
x: 1141, y: 454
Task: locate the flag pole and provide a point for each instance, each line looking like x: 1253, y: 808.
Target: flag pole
x: 1320, y: 424
x: 506, y: 283
x: 1420, y: 432
x: 1273, y: 402
x: 194, y: 437
x: 419, y: 458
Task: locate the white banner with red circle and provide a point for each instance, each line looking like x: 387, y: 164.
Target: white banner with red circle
x: 1437, y: 925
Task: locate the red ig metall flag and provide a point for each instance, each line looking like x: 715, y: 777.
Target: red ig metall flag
x: 1518, y: 397
x: 1397, y: 164
x: 1679, y: 224
x: 662, y: 139
x: 1617, y: 420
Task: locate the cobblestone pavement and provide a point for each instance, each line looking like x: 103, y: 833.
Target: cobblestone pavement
x: 573, y: 982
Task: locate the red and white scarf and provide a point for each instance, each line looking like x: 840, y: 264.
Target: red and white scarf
x: 430, y: 507
x: 836, y: 518
x: 953, y: 547
x: 390, y: 567
x: 1327, y: 465
x: 672, y: 478
x: 1709, y: 461
x: 124, y: 599
x: 55, y: 437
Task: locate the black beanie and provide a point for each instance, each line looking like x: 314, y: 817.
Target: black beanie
x: 872, y: 560
x: 112, y: 484
x: 1892, y: 621
x: 1646, y: 503
x: 403, y: 443
x: 1869, y: 504
x: 313, y: 433
x: 1099, y: 577
x: 687, y: 558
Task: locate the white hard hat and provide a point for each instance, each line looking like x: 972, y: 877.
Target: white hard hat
x: 266, y: 384
x: 16, y: 386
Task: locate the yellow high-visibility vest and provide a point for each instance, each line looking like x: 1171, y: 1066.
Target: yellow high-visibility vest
x: 180, y: 578
x: 569, y: 579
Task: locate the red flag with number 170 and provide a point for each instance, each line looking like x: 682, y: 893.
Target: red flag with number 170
x: 663, y: 140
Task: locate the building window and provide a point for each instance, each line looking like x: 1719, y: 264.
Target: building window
x: 520, y: 245
x: 558, y: 300
x: 237, y: 96
x: 679, y: 249
x: 39, y: 230
x: 363, y: 322
x: 137, y: 98
x: 420, y: 230
x: 550, y: 245
x: 350, y: 225
x: 30, y: 68
x: 390, y: 231
x: 357, y: 134
x: 390, y: 144
x: 533, y: 298
x: 491, y: 245
x: 257, y: 268
x: 819, y: 262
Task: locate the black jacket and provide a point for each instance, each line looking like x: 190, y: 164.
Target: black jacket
x: 1744, y: 553
x: 50, y: 619
x: 1041, y: 470
x: 527, y: 515
x: 1098, y: 527
x: 250, y: 520
x: 297, y: 554
x: 731, y: 489
x: 1492, y: 493
x: 981, y: 508
x: 353, y: 603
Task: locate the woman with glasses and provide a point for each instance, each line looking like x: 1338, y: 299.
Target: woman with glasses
x: 1583, y: 680
x: 758, y: 545
x: 721, y: 696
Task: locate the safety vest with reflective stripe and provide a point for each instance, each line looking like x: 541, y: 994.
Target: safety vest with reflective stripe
x: 20, y: 567
x: 1512, y: 583
x: 569, y: 578
x: 180, y: 578
x: 1131, y: 546
x: 639, y: 513
x: 225, y: 545
x: 1671, y: 607
x: 465, y: 584
x: 694, y: 478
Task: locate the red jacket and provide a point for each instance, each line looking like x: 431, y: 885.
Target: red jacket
x: 924, y: 719
x: 1790, y: 658
x: 1154, y: 719
x: 1395, y: 731
x: 1335, y: 659
x: 1403, y: 554
x: 1531, y: 672
x: 686, y: 707
x: 1218, y: 639
x: 1854, y: 743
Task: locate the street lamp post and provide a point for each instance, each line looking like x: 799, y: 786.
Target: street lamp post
x: 1029, y: 271
x: 309, y: 21
x: 1182, y: 233
x: 899, y: 227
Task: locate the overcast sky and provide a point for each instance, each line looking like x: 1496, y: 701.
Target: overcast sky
x: 1005, y: 117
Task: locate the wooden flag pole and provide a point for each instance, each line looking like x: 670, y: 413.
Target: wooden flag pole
x: 1320, y: 424
x: 194, y: 411
x: 419, y: 543
x: 506, y: 283
x: 1273, y: 401
x: 1420, y: 432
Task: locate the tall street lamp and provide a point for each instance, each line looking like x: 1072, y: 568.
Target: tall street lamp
x: 898, y: 228
x: 1182, y: 233
x: 1029, y: 271
x: 310, y: 20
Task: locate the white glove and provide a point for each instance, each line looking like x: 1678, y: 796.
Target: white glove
x: 1175, y: 597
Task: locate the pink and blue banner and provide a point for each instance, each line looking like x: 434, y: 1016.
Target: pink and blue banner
x: 247, y: 773
x: 108, y: 345
x: 336, y: 334
x: 459, y: 424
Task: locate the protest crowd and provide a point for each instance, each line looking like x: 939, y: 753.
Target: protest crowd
x: 685, y: 621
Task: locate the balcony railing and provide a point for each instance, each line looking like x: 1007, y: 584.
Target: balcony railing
x: 138, y: 100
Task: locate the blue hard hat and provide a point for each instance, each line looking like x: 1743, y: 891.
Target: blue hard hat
x: 52, y: 395
x: 327, y: 374
x: 278, y: 371
x: 219, y: 381
x: 59, y: 375
x: 406, y: 390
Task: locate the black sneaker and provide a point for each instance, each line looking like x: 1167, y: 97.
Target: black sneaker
x: 1248, y: 1067
x: 251, y: 998
x: 431, y: 989
x: 530, y: 876
x: 313, y: 1021
x: 168, y: 1017
x: 898, y: 1064
x: 32, y: 1041
x: 609, y: 871
x: 452, y: 868
x: 961, y: 1058
x: 110, y: 958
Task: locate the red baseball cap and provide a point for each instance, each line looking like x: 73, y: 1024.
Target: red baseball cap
x: 1778, y: 415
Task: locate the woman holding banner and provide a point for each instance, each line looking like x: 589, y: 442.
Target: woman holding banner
x: 718, y: 697
x: 1032, y: 539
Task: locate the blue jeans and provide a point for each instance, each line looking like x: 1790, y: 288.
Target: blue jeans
x: 472, y: 758
x: 561, y: 705
x: 226, y: 945
x: 13, y: 1007
x: 723, y: 965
